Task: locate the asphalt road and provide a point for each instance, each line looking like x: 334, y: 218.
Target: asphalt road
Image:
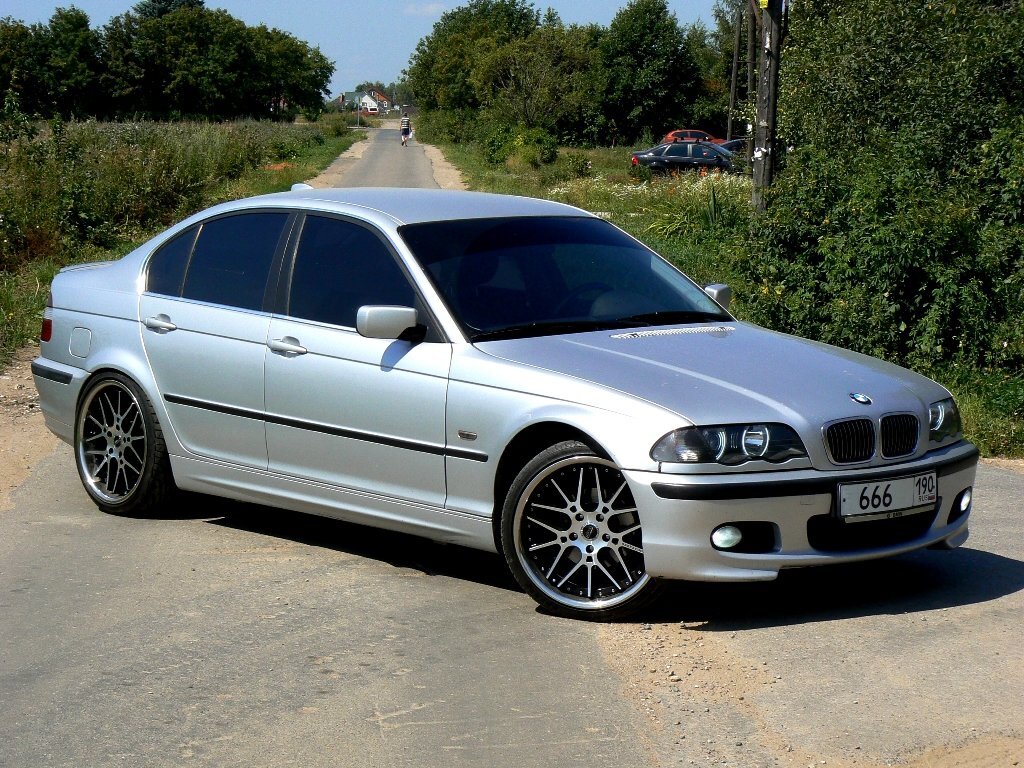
x: 384, y: 163
x: 234, y: 635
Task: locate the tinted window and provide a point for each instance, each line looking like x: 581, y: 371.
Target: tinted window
x: 167, y: 266
x: 341, y: 266
x: 561, y: 272
x: 232, y: 259
x: 679, y: 150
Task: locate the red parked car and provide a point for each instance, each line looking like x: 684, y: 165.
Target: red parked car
x: 690, y: 134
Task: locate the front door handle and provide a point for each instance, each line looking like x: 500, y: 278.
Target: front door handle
x: 160, y: 324
x: 289, y: 345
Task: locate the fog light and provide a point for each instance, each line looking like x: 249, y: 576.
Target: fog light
x: 965, y: 500
x: 726, y: 536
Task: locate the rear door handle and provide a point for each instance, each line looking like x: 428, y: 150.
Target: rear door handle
x: 160, y: 323
x: 289, y: 345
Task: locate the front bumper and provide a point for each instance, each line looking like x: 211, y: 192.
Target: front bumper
x: 797, y: 513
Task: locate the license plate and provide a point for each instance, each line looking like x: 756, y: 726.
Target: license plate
x: 887, y: 498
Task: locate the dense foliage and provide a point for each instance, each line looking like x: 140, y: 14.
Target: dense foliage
x: 164, y: 59
x: 497, y: 67
x: 897, y: 226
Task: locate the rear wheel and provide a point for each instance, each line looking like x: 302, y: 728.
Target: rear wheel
x: 119, y: 448
x: 571, y: 535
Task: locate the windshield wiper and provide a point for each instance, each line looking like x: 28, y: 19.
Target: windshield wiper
x: 675, y: 317
x: 547, y: 328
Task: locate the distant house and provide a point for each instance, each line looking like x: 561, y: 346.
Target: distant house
x: 366, y: 103
x: 382, y: 101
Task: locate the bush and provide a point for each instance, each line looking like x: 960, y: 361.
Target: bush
x: 89, y: 183
x: 881, y: 255
x: 579, y: 164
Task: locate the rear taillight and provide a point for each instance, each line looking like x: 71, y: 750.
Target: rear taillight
x: 635, y: 161
x: 47, y: 330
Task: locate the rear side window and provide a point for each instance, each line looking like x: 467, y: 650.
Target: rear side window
x: 167, y: 266
x: 339, y: 267
x: 679, y: 150
x: 232, y: 259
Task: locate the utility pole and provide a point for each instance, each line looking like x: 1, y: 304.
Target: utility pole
x: 767, y: 98
x: 735, y: 67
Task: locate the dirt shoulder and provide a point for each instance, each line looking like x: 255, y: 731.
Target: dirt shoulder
x: 24, y: 438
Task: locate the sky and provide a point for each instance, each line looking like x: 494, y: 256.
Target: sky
x: 368, y: 40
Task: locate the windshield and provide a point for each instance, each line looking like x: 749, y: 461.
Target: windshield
x: 515, y: 277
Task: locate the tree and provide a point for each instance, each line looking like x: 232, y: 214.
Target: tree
x: 441, y: 68
x: 15, y: 59
x: 199, y: 62
x: 72, y: 63
x: 652, y: 76
x: 550, y: 80
x: 154, y: 9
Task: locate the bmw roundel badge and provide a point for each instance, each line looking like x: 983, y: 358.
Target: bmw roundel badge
x: 858, y: 397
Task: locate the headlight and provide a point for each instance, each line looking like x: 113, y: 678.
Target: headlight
x: 729, y: 444
x: 943, y: 420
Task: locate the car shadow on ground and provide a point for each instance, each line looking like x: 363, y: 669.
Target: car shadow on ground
x: 920, y: 581
x: 399, y: 550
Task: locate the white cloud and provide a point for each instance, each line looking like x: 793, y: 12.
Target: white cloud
x: 424, y: 9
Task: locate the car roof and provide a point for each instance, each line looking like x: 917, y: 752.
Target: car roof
x: 409, y: 206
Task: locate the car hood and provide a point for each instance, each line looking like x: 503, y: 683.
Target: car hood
x: 729, y: 373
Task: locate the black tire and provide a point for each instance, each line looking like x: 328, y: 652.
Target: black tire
x: 570, y: 533
x: 119, y: 448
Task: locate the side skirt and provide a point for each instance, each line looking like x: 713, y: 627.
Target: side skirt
x: 346, y: 504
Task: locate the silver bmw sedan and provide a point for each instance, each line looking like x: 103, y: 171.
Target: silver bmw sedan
x: 498, y: 372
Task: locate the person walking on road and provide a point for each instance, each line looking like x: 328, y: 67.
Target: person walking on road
x: 406, y: 128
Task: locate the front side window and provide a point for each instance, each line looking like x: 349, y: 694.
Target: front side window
x: 232, y: 259
x: 339, y: 267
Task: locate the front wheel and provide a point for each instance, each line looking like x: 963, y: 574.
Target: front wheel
x: 571, y: 534
x: 119, y: 448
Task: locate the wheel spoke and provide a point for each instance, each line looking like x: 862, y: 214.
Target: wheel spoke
x: 629, y: 530
x: 610, y: 577
x: 554, y: 563
x: 557, y: 487
x: 544, y: 525
x: 622, y: 563
x: 545, y: 545
x: 611, y: 501
x: 549, y: 507
x: 569, y: 574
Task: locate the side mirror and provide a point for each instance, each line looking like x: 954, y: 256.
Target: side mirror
x: 720, y: 292
x: 384, y: 322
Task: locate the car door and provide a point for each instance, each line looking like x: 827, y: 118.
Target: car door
x: 709, y: 157
x: 205, y: 332
x: 354, y: 412
x: 677, y: 156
